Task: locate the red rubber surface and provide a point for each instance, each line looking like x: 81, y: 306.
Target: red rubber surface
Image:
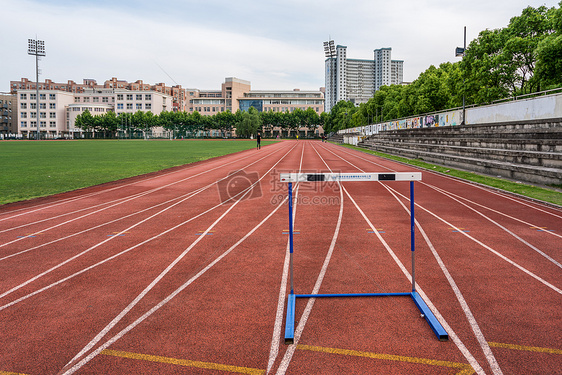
x: 223, y: 320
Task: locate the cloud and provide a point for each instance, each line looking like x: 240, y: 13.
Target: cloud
x: 274, y: 44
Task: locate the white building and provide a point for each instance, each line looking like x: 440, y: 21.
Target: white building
x: 50, y: 115
x: 58, y: 109
x: 357, y: 80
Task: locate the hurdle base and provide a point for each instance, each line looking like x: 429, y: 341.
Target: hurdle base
x: 418, y: 300
x: 429, y: 317
x: 290, y: 323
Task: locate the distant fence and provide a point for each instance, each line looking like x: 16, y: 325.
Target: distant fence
x: 533, y: 108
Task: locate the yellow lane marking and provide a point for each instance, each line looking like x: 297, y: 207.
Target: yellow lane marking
x: 10, y: 373
x: 527, y: 348
x: 465, y: 369
x: 184, y: 362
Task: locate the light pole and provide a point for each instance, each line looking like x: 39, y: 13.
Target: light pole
x: 330, y: 52
x: 460, y: 52
x: 36, y: 47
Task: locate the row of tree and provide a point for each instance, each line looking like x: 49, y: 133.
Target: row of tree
x: 190, y: 124
x: 522, y: 58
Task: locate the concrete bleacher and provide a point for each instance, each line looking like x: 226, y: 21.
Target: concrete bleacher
x: 529, y: 151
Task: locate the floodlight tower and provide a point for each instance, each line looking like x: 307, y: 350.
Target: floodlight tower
x: 331, y: 73
x: 36, y: 47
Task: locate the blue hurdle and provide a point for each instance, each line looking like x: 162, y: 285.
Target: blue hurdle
x: 340, y: 177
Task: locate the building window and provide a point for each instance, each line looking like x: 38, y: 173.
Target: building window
x: 139, y: 105
x: 119, y: 96
x: 32, y: 96
x: 23, y: 124
x: 139, y: 96
x: 23, y: 96
x: 76, y: 99
x: 129, y: 96
x: 52, y: 105
x: 52, y: 115
x: 33, y: 114
x: 42, y: 105
x: 23, y: 115
x: 52, y: 124
x: 129, y: 105
x: 42, y: 114
x: 148, y: 97
x: 52, y: 96
x: 119, y: 105
x: 42, y: 96
x: 76, y: 109
x: 148, y: 106
x: 33, y: 124
x: 86, y: 99
x: 105, y: 99
x: 23, y: 105
x: 43, y: 124
x: 96, y: 99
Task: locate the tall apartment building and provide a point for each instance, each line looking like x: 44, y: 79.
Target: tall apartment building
x: 357, y: 80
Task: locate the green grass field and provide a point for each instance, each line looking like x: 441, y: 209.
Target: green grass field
x: 32, y: 169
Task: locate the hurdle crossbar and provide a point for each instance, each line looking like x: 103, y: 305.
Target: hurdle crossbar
x: 344, y: 177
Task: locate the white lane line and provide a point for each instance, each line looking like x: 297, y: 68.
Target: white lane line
x: 460, y: 345
x: 480, y: 243
x: 458, y: 294
x: 463, y: 349
x: 67, y: 213
x: 539, y: 279
x: 129, y: 199
x: 277, y: 327
x: 534, y: 205
x: 97, y: 245
x: 96, y: 227
x: 452, y: 196
x: 133, y: 303
x: 93, y: 354
x: 490, y: 209
x: 109, y: 258
x: 284, y: 365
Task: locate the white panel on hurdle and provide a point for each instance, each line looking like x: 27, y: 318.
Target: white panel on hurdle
x: 382, y: 176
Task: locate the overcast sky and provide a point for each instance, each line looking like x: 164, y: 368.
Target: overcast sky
x: 277, y: 45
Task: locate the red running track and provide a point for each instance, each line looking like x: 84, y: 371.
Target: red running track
x: 159, y: 275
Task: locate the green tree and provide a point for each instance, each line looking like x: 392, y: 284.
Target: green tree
x: 110, y: 123
x: 249, y: 124
x: 549, y: 52
x: 85, y: 121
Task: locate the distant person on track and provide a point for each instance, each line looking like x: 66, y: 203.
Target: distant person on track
x: 323, y: 138
x: 258, y: 139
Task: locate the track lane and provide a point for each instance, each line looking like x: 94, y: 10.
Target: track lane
x: 225, y: 317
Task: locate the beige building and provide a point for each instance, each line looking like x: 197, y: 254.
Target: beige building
x: 282, y: 101
x: 210, y: 102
